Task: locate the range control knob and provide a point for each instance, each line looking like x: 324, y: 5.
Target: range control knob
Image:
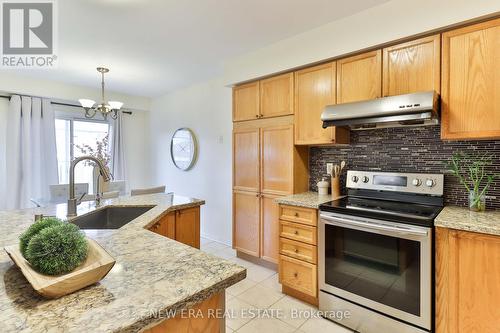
x: 430, y: 183
x: 355, y: 179
x: 416, y: 182
x: 366, y: 179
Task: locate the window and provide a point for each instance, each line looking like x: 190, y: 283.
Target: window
x: 71, y: 133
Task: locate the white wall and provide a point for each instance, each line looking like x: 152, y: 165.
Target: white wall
x: 204, y: 109
x: 377, y: 25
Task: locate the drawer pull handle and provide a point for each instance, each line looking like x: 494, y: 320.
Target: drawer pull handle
x: 296, y: 250
x: 296, y: 214
x: 296, y: 232
x: 295, y: 274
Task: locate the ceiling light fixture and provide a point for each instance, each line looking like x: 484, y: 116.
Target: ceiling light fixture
x: 104, y: 108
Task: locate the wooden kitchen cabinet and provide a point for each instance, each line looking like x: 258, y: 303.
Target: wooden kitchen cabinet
x: 276, y: 161
x: 187, y: 226
x: 182, y: 225
x: 246, y: 101
x: 276, y: 96
x: 413, y: 66
x: 470, y: 96
x: 359, y: 77
x: 298, y: 248
x: 246, y: 222
x: 315, y: 88
x: 270, y: 228
x: 266, y: 165
x: 246, y: 159
x: 467, y: 282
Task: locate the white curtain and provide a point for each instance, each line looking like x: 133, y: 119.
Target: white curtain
x: 31, y: 157
x: 118, y: 167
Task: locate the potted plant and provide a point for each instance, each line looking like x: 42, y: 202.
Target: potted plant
x: 471, y: 172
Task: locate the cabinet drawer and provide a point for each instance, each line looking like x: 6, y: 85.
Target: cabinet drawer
x: 299, y: 214
x: 298, y: 250
x: 298, y: 232
x: 299, y: 275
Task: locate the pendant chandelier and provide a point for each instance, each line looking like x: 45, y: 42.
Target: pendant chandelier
x: 105, y: 108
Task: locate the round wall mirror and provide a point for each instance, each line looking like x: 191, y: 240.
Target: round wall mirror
x: 183, y: 149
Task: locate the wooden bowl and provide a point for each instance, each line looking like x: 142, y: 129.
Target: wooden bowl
x: 93, y: 269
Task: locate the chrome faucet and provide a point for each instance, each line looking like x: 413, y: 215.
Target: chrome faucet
x: 72, y: 201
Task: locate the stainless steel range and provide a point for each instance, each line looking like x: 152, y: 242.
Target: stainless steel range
x: 375, y: 251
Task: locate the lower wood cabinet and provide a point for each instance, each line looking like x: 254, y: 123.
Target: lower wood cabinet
x: 467, y: 282
x: 298, y: 270
x: 182, y: 225
x: 255, y: 225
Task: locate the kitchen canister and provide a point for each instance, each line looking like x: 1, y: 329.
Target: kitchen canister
x: 323, y: 186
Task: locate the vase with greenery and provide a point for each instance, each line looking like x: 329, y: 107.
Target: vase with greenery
x: 471, y: 171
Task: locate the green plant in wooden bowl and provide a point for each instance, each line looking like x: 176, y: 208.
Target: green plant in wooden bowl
x: 57, y: 259
x: 34, y: 229
x: 471, y: 172
x: 57, y: 249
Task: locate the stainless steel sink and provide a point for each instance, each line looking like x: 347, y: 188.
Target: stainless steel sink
x: 109, y: 217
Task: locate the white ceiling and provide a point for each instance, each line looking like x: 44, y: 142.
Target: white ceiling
x: 156, y: 46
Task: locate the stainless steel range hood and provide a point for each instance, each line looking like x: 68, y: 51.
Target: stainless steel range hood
x: 417, y: 109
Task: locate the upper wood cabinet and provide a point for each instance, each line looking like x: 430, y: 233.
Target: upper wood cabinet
x: 359, y: 77
x: 412, y: 67
x: 246, y: 102
x: 246, y: 159
x: 314, y: 89
x: 276, y: 96
x: 246, y: 222
x: 467, y: 282
x: 276, y: 167
x: 470, y: 103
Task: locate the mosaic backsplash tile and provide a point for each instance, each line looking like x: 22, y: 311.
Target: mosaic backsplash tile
x: 411, y: 149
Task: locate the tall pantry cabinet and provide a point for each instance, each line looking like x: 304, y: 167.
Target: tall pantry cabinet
x: 266, y: 166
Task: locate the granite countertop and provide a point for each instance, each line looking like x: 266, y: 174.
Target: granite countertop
x: 463, y: 219
x: 152, y: 274
x: 305, y: 199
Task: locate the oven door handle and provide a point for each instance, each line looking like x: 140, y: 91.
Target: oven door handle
x: 372, y: 226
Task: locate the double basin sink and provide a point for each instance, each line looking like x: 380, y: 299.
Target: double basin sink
x: 109, y: 217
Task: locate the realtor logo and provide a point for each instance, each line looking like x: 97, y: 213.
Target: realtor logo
x: 28, y: 34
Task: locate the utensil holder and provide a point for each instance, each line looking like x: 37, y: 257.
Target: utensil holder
x: 335, y: 187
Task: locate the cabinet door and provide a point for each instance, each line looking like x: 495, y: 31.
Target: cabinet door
x: 276, y: 166
x: 470, y: 104
x: 246, y: 101
x: 270, y: 228
x: 276, y: 96
x: 412, y: 67
x: 246, y: 159
x: 315, y: 89
x: 187, y: 226
x: 467, y: 282
x: 246, y: 222
x: 359, y: 77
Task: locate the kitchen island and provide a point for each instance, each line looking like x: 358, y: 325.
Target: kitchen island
x: 154, y: 277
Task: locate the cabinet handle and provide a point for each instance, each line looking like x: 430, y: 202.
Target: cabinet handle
x: 296, y: 214
x: 296, y: 232
x: 295, y: 274
x: 257, y: 116
x: 257, y: 195
x: 296, y: 250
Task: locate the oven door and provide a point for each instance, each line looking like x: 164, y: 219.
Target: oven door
x: 380, y: 265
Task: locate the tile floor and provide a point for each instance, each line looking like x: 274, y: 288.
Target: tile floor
x: 261, y: 291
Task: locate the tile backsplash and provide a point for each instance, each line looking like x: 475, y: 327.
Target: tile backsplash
x: 410, y: 149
